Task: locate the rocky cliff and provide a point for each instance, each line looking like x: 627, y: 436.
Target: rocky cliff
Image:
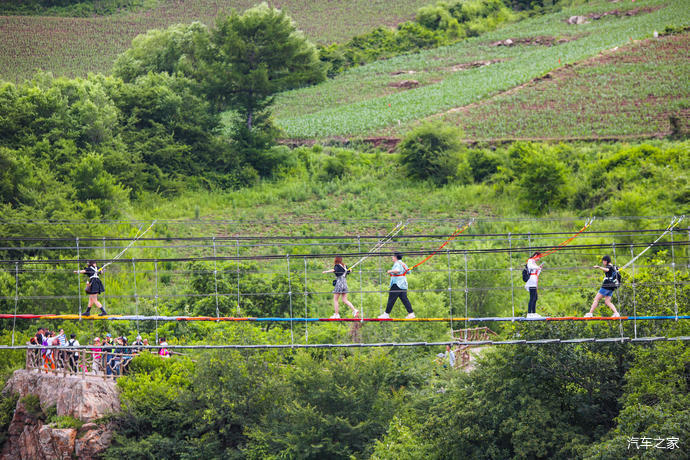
x: 87, y: 399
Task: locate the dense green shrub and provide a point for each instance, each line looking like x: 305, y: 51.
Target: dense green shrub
x: 8, y: 402
x: 434, y: 25
x: 32, y: 405
x: 178, y: 49
x: 431, y: 152
x: 544, y: 183
x: 335, y: 167
x: 482, y: 163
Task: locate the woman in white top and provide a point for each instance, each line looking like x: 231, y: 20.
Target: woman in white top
x: 531, y: 284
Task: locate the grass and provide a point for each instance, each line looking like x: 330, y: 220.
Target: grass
x: 76, y: 46
x: 361, y: 103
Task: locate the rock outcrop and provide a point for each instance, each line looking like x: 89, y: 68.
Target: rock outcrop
x: 87, y: 399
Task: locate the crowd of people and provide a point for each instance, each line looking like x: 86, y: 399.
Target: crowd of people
x: 109, y: 356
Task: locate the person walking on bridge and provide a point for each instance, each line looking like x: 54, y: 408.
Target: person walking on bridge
x: 398, y: 287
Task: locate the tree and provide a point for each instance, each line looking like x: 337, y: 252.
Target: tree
x: 177, y: 49
x: 254, y: 56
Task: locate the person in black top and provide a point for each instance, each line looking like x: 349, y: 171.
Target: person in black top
x: 109, y: 352
x: 125, y: 356
x: 93, y: 287
x: 340, y: 287
x: 607, y: 287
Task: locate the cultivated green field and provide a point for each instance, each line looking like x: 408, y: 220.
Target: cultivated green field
x: 75, y: 46
x: 360, y: 102
x: 633, y: 91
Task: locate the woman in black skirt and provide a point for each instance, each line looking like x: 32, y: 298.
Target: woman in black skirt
x: 340, y: 287
x: 93, y: 287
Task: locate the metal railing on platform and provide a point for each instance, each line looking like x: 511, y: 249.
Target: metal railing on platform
x: 79, y: 361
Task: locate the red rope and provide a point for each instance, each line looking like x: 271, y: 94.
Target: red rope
x: 564, y: 243
x: 452, y: 237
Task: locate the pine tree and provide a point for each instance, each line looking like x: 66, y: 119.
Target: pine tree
x: 256, y: 55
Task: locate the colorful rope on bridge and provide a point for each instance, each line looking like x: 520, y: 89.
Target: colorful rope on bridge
x: 313, y: 320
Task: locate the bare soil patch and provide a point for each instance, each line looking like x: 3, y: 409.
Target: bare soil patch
x: 404, y: 84
x: 577, y: 20
x: 542, y: 40
x: 454, y: 68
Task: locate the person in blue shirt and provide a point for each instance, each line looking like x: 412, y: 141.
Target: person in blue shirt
x: 398, y: 287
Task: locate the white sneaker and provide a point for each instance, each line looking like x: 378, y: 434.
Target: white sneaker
x: 335, y: 316
x: 616, y: 315
x: 355, y: 313
x: 533, y: 315
x: 411, y: 316
x: 384, y: 316
x: 588, y: 315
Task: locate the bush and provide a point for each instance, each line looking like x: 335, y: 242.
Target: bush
x: 335, y: 167
x: 434, y: 25
x: 32, y: 405
x: 543, y: 183
x: 432, y: 152
x: 483, y: 164
x: 8, y: 402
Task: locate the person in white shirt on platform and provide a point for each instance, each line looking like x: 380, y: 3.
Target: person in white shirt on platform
x: 531, y: 284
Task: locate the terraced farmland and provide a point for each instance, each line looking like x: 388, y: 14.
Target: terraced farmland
x: 76, y: 46
x: 631, y: 91
x: 361, y: 102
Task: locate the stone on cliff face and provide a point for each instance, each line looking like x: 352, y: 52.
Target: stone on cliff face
x: 86, y: 399
x: 93, y: 443
x: 57, y: 442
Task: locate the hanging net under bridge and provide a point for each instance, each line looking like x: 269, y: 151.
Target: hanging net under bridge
x: 468, y: 277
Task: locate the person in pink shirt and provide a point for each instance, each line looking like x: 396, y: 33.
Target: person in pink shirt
x: 96, y: 354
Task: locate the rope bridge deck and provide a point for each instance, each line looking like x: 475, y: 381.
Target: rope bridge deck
x: 315, y: 320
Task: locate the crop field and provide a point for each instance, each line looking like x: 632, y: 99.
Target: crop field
x: 631, y: 91
x: 77, y: 46
x: 361, y: 102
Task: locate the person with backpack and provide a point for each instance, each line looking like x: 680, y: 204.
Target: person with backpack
x: 398, y: 287
x: 73, y: 354
x: 530, y: 275
x: 610, y: 284
x: 340, y: 287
